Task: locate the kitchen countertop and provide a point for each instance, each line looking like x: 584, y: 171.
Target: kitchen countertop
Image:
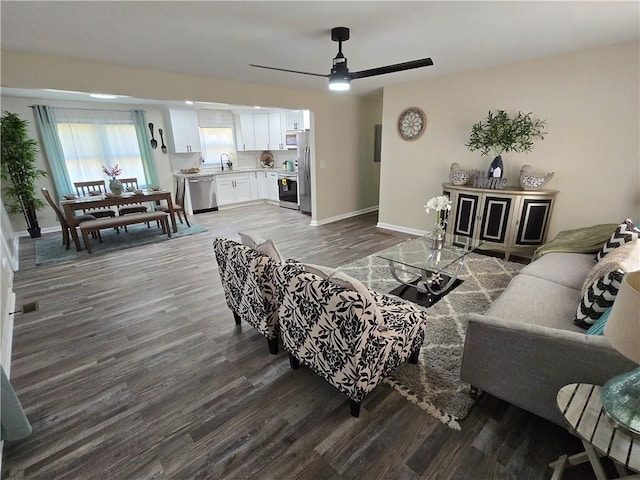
x: 211, y: 173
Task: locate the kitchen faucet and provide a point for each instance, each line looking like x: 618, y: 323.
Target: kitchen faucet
x: 222, y: 155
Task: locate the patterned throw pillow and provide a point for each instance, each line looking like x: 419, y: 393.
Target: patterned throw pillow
x: 626, y: 232
x: 599, y: 296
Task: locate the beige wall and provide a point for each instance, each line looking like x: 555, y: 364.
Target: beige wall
x: 591, y: 102
x: 337, y: 118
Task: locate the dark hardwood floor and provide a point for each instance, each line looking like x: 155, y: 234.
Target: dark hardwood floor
x: 133, y: 368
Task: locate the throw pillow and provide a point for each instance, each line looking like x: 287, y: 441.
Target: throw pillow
x: 598, y: 327
x: 250, y: 239
x: 625, y: 258
x: 625, y: 233
x: 599, y: 296
x: 319, y: 270
x: 266, y: 247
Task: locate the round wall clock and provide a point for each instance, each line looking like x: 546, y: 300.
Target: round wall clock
x: 412, y: 123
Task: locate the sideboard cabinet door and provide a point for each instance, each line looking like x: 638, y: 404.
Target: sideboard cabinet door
x: 510, y: 220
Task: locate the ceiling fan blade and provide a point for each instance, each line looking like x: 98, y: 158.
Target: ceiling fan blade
x: 398, y: 67
x: 291, y: 71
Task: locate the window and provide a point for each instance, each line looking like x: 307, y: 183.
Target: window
x: 93, y: 138
x: 216, y: 141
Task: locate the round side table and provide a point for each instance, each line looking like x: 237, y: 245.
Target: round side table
x: 580, y: 404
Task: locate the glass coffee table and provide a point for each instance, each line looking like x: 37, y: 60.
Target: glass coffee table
x: 426, y: 274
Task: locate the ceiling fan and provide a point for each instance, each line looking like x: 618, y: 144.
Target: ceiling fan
x: 340, y: 78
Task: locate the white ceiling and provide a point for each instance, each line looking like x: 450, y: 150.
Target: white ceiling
x: 220, y: 39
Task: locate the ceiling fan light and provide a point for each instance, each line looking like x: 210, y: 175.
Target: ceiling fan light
x: 339, y: 84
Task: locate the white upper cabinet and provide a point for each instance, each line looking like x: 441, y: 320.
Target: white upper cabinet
x: 247, y: 139
x: 298, y: 120
x: 183, y: 135
x: 261, y: 131
x: 276, y: 132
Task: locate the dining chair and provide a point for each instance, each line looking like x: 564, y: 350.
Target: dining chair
x: 130, y: 184
x: 178, y: 205
x: 78, y: 219
x: 84, y: 189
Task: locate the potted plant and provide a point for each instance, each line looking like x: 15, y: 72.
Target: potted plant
x: 19, y: 170
x: 499, y: 133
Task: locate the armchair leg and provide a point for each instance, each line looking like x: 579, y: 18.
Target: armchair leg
x: 237, y: 318
x: 294, y: 362
x: 355, y: 408
x: 414, y: 356
x: 273, y: 345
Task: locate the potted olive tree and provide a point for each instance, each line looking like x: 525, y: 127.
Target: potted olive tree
x: 500, y: 133
x: 19, y: 171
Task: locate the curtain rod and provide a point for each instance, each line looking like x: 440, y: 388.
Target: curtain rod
x: 92, y: 109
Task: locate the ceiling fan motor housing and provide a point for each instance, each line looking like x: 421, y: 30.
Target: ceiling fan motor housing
x: 340, y: 34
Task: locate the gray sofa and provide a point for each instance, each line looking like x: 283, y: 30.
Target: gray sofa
x: 526, y: 347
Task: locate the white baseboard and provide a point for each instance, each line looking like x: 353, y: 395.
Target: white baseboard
x: 316, y: 223
x: 400, y: 228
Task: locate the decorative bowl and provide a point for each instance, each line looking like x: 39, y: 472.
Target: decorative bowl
x: 69, y: 197
x: 95, y: 193
x: 110, y: 195
x: 154, y: 188
x: 138, y: 192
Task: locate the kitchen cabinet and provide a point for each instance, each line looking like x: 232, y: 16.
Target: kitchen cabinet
x: 276, y: 132
x: 260, y: 131
x: 247, y: 140
x: 184, y: 134
x: 272, y: 186
x: 233, y: 188
x: 298, y: 120
x: 510, y: 220
x: 259, y: 185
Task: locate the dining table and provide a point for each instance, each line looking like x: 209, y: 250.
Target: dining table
x: 69, y: 206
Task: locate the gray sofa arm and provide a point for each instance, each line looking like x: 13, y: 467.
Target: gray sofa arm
x: 527, y: 364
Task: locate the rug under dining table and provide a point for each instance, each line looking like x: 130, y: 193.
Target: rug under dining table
x: 50, y: 249
x: 434, y: 383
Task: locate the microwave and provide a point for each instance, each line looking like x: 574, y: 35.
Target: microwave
x: 291, y: 140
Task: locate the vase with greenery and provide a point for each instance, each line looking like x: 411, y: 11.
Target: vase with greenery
x: 500, y: 133
x: 19, y: 172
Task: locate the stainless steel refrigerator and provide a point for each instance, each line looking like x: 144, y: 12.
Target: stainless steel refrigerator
x: 304, y: 171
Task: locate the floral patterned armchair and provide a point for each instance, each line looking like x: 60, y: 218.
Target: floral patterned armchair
x: 351, y: 338
x: 247, y: 281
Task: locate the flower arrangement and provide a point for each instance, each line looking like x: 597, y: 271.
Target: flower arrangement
x: 439, y: 204
x: 112, y: 172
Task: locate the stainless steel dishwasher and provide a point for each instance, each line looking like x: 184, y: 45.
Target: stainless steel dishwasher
x: 202, y: 191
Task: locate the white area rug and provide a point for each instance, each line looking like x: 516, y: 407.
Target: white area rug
x: 434, y: 384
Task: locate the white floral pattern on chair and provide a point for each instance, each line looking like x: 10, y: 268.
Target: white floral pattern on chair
x: 247, y: 281
x: 333, y: 331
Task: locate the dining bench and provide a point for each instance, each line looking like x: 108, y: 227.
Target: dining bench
x: 120, y: 221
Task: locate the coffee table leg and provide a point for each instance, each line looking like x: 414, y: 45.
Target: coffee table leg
x: 428, y: 282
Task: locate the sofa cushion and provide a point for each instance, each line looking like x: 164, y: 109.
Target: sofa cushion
x: 599, y: 296
x: 568, y: 269
x: 533, y: 300
x: 625, y: 233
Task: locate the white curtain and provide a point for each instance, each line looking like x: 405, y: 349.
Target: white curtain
x: 93, y: 138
